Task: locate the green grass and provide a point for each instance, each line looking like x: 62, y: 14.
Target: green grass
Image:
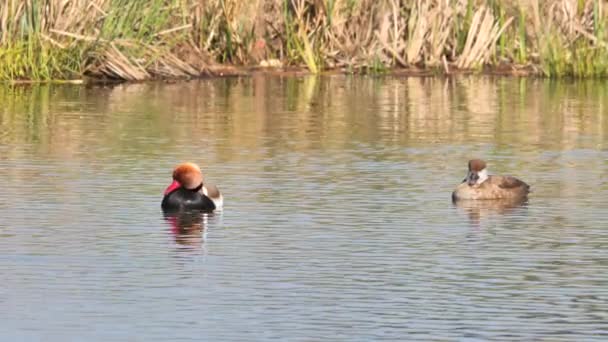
x: 521, y: 31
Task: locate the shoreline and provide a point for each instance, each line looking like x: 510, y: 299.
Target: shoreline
x: 228, y: 71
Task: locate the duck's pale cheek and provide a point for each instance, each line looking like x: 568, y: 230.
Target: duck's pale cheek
x: 175, y: 185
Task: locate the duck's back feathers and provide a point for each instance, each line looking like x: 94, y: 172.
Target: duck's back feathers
x: 509, y: 182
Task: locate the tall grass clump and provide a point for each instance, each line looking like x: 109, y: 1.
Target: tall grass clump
x: 144, y: 39
x: 573, y: 39
x: 123, y: 39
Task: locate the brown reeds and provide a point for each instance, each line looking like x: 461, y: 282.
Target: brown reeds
x: 143, y: 39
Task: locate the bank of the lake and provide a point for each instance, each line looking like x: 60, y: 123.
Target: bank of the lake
x: 140, y: 40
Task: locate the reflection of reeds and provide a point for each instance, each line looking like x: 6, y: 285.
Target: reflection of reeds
x: 309, y: 112
x: 136, y: 40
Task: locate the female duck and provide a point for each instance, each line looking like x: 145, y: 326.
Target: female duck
x: 478, y: 185
x: 187, y: 192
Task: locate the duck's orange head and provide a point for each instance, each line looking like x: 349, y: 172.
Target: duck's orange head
x: 187, y: 176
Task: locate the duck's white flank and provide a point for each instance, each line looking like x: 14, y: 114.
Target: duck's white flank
x: 218, y: 201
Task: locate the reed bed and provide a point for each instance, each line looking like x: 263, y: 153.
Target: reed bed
x: 145, y: 39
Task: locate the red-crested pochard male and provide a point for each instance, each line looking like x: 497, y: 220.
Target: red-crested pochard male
x: 187, y: 192
x: 478, y: 185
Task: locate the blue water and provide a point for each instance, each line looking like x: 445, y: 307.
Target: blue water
x: 337, y: 225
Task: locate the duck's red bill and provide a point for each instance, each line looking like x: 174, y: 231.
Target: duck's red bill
x: 175, y: 185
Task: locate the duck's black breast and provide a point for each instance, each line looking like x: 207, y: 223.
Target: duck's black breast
x: 184, y: 200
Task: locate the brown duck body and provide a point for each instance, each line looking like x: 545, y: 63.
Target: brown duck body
x: 494, y: 187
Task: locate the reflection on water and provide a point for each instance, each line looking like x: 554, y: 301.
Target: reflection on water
x: 478, y: 210
x: 338, y: 220
x: 189, y: 228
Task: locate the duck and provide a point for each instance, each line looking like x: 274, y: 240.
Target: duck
x: 187, y: 192
x: 479, y: 185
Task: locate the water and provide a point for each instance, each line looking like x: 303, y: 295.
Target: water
x: 338, y: 223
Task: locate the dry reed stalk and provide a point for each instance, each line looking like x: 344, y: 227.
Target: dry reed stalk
x: 124, y: 67
x: 482, y: 36
x: 351, y: 35
x: 418, y: 27
x: 391, y: 30
x: 441, y: 21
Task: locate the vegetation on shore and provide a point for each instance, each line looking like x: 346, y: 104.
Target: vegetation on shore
x: 143, y: 39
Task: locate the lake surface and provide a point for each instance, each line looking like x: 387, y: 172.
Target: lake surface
x: 338, y: 223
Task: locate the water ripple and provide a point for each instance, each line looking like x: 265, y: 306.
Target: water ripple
x: 338, y: 222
